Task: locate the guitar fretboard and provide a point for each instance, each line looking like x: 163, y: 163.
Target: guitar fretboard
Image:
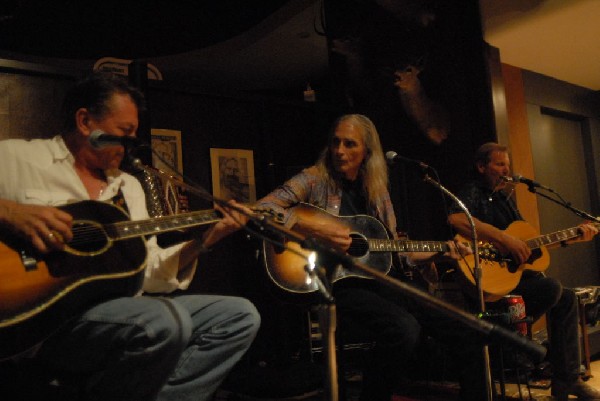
x: 555, y: 237
x: 387, y: 245
x: 130, y: 229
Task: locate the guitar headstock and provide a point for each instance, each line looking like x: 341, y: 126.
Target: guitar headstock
x: 487, y: 251
x: 268, y: 212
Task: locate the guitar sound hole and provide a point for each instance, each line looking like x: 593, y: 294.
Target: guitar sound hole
x: 88, y: 238
x: 359, y: 246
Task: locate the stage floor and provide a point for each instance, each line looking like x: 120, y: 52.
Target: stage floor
x: 417, y: 390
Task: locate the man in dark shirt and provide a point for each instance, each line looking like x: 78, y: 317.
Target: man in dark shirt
x: 493, y: 209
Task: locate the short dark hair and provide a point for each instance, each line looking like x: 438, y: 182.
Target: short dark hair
x: 94, y: 93
x: 482, y: 155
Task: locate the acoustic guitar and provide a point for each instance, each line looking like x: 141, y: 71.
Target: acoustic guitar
x: 370, y: 245
x: 501, y: 275
x: 105, y: 259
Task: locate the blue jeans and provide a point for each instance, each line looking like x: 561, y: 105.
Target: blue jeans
x: 146, y: 348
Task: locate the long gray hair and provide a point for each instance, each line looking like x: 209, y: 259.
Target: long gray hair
x: 373, y: 171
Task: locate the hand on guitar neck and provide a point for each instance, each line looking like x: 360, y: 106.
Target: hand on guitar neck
x: 588, y: 231
x: 234, y: 218
x: 520, y: 251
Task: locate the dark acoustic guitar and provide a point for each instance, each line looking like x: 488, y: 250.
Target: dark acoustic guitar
x: 105, y: 259
x: 371, y: 246
x: 501, y: 275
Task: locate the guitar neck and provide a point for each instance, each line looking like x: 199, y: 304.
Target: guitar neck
x: 157, y: 225
x: 387, y: 245
x: 555, y: 237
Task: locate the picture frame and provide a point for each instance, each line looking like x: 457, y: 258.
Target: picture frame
x: 233, y: 174
x: 167, y: 143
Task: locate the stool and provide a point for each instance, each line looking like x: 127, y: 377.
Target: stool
x: 344, y: 346
x: 585, y: 296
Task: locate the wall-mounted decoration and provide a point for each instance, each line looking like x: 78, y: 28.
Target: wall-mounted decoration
x: 167, y: 143
x: 121, y: 67
x: 233, y: 174
x: 166, y: 193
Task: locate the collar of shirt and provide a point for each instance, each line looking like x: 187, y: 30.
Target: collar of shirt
x: 61, y: 152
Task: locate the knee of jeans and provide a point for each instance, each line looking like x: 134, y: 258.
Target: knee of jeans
x: 554, y: 290
x: 247, y: 313
x: 173, y: 326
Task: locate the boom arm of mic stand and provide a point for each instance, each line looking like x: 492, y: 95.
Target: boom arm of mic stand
x: 567, y: 205
x: 489, y: 330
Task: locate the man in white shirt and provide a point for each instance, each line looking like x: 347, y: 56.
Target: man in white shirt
x: 167, y: 347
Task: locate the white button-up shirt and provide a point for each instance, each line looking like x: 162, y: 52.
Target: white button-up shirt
x: 41, y: 172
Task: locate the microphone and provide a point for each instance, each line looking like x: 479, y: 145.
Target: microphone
x: 393, y: 157
x: 520, y: 179
x: 100, y: 139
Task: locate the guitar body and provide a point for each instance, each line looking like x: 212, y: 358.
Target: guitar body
x: 287, y: 269
x: 39, y: 293
x: 500, y: 278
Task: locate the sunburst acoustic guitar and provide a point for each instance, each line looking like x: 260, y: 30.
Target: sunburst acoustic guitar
x: 371, y: 246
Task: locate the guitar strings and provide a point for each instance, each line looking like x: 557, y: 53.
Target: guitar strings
x: 87, y: 233
x: 92, y: 233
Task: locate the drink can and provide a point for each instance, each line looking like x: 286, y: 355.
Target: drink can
x: 515, y: 307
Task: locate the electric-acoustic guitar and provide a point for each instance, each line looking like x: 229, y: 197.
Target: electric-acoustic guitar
x: 105, y: 259
x: 502, y: 274
x: 370, y: 246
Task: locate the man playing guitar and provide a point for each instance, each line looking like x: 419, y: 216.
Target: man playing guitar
x: 494, y: 210
x: 173, y: 346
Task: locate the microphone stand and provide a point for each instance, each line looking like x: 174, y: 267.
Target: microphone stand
x: 327, y: 313
x: 477, y: 273
x: 562, y: 202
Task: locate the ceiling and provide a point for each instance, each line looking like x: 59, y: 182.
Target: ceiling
x: 260, y: 45
x: 556, y: 38
x: 272, y: 44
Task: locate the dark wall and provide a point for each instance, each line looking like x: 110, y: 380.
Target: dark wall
x: 30, y: 101
x: 284, y: 135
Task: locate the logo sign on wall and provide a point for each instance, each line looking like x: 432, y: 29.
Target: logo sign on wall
x: 121, y: 67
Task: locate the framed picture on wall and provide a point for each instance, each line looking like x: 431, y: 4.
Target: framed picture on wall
x: 167, y: 143
x: 233, y: 174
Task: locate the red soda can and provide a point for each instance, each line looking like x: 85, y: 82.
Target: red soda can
x: 515, y: 307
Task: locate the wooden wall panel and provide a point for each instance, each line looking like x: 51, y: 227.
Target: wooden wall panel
x: 519, y: 141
